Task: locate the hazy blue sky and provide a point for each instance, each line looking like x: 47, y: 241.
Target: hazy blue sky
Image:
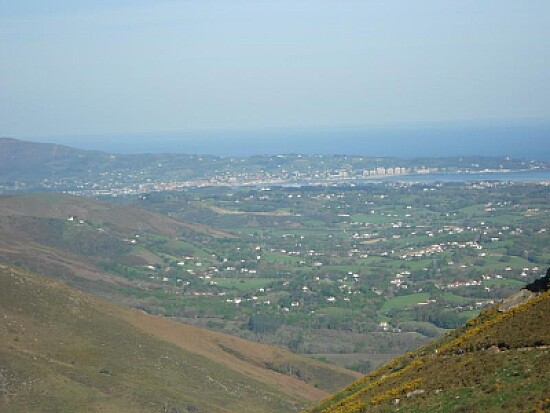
x: 113, y: 66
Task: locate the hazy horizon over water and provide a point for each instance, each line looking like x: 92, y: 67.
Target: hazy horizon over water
x: 530, y: 141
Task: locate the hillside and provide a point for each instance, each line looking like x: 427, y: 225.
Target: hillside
x: 33, y: 161
x: 72, y: 238
x: 62, y: 350
x: 126, y: 220
x: 497, y: 362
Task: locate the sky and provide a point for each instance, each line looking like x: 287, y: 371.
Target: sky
x: 75, y: 67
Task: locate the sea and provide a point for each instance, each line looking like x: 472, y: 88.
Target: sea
x: 516, y: 176
x: 525, y: 140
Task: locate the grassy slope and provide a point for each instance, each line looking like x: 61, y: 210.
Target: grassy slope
x: 497, y: 362
x: 31, y: 236
x: 125, y: 219
x: 62, y: 350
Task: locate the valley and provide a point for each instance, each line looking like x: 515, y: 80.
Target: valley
x: 274, y: 207
x: 244, y: 291
x: 352, y: 274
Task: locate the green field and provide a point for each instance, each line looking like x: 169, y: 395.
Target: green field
x: 243, y: 285
x: 404, y: 301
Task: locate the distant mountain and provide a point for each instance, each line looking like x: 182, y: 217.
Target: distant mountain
x: 33, y: 162
x: 30, y: 160
x: 64, y: 351
x: 498, y: 362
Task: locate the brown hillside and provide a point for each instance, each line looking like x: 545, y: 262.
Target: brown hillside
x: 62, y: 350
x: 122, y: 218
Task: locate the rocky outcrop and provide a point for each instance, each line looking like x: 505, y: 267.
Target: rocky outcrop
x: 526, y: 293
x: 515, y: 299
x: 541, y: 285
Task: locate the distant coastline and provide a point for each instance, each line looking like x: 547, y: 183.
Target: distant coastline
x: 526, y: 140
x: 29, y: 166
x: 509, y: 176
x: 516, y: 176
